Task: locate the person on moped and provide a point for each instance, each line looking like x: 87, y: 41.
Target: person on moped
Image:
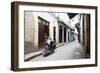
x: 49, y: 46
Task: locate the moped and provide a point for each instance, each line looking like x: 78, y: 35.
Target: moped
x: 49, y: 48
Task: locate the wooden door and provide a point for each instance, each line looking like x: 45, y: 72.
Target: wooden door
x: 54, y: 34
x: 64, y: 34
x: 43, y: 33
x: 60, y: 34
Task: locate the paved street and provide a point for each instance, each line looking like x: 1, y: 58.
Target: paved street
x: 72, y: 50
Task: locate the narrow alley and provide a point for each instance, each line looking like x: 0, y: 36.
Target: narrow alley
x: 69, y: 29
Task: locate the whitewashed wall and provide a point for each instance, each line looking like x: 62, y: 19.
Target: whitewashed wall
x: 31, y: 23
x: 29, y: 26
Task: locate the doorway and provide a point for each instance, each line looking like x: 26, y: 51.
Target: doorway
x: 60, y: 34
x: 43, y: 30
x: 54, y: 34
x: 64, y: 34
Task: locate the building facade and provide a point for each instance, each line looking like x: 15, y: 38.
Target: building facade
x: 39, y: 25
x: 82, y: 26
